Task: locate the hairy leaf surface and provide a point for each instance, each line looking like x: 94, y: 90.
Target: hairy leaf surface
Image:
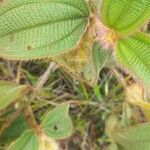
x: 125, y: 15
x: 35, y: 29
x: 133, y: 53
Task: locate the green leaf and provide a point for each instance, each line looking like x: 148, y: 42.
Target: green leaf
x: 57, y: 124
x: 28, y: 141
x: 125, y: 16
x: 133, y: 53
x: 35, y: 29
x: 17, y: 127
x: 10, y: 92
x: 112, y: 146
x: 133, y: 138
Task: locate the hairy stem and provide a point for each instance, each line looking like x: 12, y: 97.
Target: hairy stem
x: 27, y: 111
x: 42, y: 80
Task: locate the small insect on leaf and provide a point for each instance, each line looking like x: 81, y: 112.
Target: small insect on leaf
x: 57, y: 124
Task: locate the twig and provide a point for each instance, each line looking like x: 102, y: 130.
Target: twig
x: 28, y: 114
x: 42, y: 80
x: 120, y: 78
x: 10, y: 69
x: 18, y: 73
x: 86, y: 143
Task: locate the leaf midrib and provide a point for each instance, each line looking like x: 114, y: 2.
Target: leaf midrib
x: 134, y: 22
x: 41, y: 24
x: 55, y: 42
x: 116, y: 22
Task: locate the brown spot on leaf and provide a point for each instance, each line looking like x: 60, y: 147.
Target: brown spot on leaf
x: 55, y: 128
x: 29, y: 47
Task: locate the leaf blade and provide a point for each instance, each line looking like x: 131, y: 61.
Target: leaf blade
x: 57, y: 124
x: 126, y: 15
x: 28, y: 141
x: 34, y: 30
x: 133, y: 53
x: 136, y: 137
x: 11, y: 93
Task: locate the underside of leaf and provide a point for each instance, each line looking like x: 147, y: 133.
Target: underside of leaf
x: 35, y: 29
x: 10, y: 93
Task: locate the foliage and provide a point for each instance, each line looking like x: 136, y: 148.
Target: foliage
x: 87, y: 39
x: 57, y: 124
x: 27, y: 141
x: 10, y: 93
x: 136, y: 137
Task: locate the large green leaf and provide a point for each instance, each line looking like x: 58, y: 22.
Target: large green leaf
x: 35, y: 29
x: 125, y: 15
x: 57, y: 124
x: 10, y: 92
x: 133, y: 138
x: 133, y: 53
x: 28, y: 141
